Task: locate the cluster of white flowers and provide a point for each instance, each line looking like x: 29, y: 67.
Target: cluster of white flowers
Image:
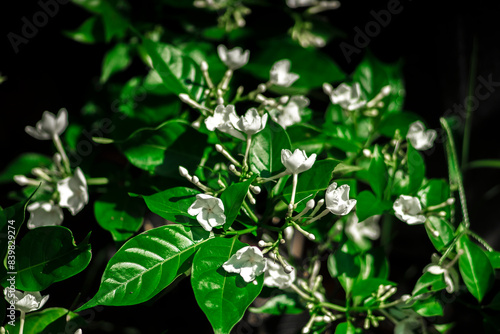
x: 290, y: 114
x: 72, y: 192
x: 348, y: 97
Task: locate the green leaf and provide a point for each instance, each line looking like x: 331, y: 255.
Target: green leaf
x: 345, y: 328
x: 377, y: 173
x: 154, y: 150
x: 86, y: 33
x: 374, y: 264
x: 312, y: 73
x: 265, y: 149
x: 444, y: 230
x: 306, y: 137
x: 429, y: 307
x: 311, y: 181
x: 233, y: 198
x: 223, y: 297
x: 23, y: 165
x: 48, y: 321
x: 172, y: 204
x: 368, y: 205
x: 363, y: 288
x: 453, y: 167
x: 434, y: 192
x: 416, y: 169
x: 286, y: 303
x: 428, y: 283
x: 146, y: 264
x: 475, y: 268
x: 344, y: 264
x: 116, y: 60
x: 494, y: 257
x: 179, y: 73
x: 484, y: 164
x: 397, y: 121
x: 119, y: 214
x: 47, y: 255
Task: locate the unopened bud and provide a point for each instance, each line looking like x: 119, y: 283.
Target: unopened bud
x: 196, y: 124
x: 405, y: 298
x: 261, y: 88
x: 282, y: 241
x: 311, y: 237
x: 450, y: 201
x: 255, y: 189
x: 435, y: 233
x: 21, y: 180
x: 290, y: 206
x: 310, y: 204
x: 57, y: 158
x: 262, y: 244
x: 284, y: 99
x: 252, y: 200
x: 367, y: 153
x: 183, y: 171
x: 195, y: 179
x: 185, y: 98
x: 442, y: 213
x: 386, y: 90
x: 288, y: 269
x: 204, y: 66
x: 260, y: 98
x: 219, y: 149
x: 327, y: 88
x: 232, y: 168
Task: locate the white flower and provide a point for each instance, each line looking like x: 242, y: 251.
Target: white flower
x: 420, y: 138
x: 280, y: 74
x: 44, y: 214
x: 337, y: 199
x: 73, y: 193
x: 49, y: 125
x: 249, y: 262
x: 297, y: 162
x: 359, y: 231
x: 79, y: 331
x: 234, y: 58
x: 277, y: 277
x: 407, y: 209
x: 251, y: 123
x: 290, y: 114
x: 209, y: 211
x: 25, y: 301
x: 346, y: 96
x: 222, y: 120
x: 450, y: 274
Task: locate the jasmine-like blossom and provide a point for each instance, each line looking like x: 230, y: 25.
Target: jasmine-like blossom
x: 337, y: 199
x: 348, y: 97
x: 251, y: 123
x: 297, y: 162
x: 360, y: 231
x: 73, y: 192
x: 449, y: 273
x: 223, y: 119
x: 276, y: 276
x: 25, y: 301
x: 249, y: 262
x: 49, y: 126
x: 44, y: 214
x: 408, y: 209
x: 290, y: 114
x: 280, y: 74
x: 420, y: 138
x: 234, y: 58
x: 209, y: 211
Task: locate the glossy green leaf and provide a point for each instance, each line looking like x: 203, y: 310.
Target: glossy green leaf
x: 428, y: 283
x: 374, y: 264
x: 368, y: 205
x: 345, y: 328
x: 397, y: 121
x: 146, y: 264
x: 47, y: 321
x: 119, y: 214
x: 179, y: 73
x: 434, y: 192
x: 439, y: 226
x: 265, y: 149
x: 344, y: 264
x: 311, y: 182
x: 154, y: 150
x: 475, y: 268
x: 172, y: 204
x: 416, y: 169
x: 494, y: 257
x: 429, y: 307
x: 312, y: 73
x: 453, y: 168
x: 233, y: 198
x: 86, y: 33
x: 306, y: 137
x: 286, y: 303
x: 223, y: 297
x: 364, y: 288
x: 377, y: 173
x: 47, y: 255
x: 115, y: 60
x: 23, y: 165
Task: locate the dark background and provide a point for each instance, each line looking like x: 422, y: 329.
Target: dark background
x: 434, y: 41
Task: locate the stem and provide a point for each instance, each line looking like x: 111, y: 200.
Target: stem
x: 240, y: 232
x: 480, y: 240
x: 302, y: 293
x: 333, y: 307
x: 388, y: 316
x: 468, y: 116
x: 62, y: 152
x: 450, y: 247
x: 21, y: 322
x: 249, y: 141
x: 294, y: 189
x: 97, y: 181
x: 374, y: 308
x: 249, y: 212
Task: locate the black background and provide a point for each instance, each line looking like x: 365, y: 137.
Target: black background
x: 434, y: 40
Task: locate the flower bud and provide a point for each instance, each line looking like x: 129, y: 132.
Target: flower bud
x: 450, y: 201
x: 21, y: 180
x: 183, y: 171
x: 284, y: 99
x: 261, y: 88
x: 204, y: 66
x: 219, y: 149
x: 288, y: 269
x: 195, y: 179
x: 310, y: 204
